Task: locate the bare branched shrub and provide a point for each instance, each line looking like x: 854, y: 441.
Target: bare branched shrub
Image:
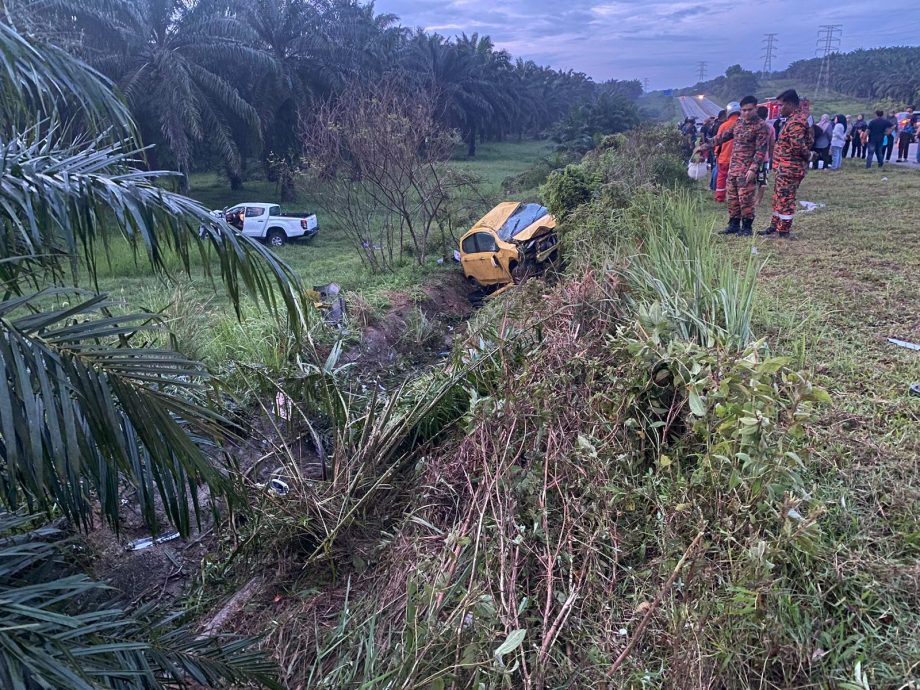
x: 377, y: 157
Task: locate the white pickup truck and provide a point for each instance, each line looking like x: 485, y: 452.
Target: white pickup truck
x: 267, y: 222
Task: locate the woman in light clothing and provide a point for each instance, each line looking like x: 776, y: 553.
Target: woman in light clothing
x: 838, y: 139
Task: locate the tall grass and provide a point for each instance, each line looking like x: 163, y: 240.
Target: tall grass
x: 697, y: 287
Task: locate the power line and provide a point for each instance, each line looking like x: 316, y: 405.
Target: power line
x: 701, y: 66
x: 828, y: 43
x: 769, y: 53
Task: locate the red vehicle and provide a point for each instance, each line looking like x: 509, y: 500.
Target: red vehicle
x: 773, y: 107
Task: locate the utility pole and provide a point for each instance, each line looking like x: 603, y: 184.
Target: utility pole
x: 701, y: 66
x: 769, y: 53
x: 828, y: 44
x: 645, y: 85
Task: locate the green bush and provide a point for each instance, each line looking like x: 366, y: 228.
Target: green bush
x: 567, y: 189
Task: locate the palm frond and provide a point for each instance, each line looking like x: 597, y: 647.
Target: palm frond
x: 38, y: 77
x: 108, y: 411
x: 45, y: 642
x: 57, y: 203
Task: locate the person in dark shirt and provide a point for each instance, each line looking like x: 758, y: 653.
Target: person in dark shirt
x: 858, y: 150
x: 891, y: 134
x: 878, y: 129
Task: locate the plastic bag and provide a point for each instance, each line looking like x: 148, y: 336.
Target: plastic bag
x: 697, y: 171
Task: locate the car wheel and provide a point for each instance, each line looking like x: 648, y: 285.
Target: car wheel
x: 276, y: 238
x: 522, y: 271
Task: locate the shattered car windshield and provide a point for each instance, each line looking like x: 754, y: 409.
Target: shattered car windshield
x: 522, y: 218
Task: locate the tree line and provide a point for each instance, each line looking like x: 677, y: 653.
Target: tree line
x: 872, y: 75
x: 869, y: 74
x: 216, y: 82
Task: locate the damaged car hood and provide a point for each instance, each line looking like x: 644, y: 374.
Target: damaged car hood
x: 517, y: 222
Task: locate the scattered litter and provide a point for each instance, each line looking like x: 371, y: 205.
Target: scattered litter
x: 810, y: 206
x: 754, y: 251
x: 331, y: 302
x: 441, y: 261
x: 146, y: 542
x: 456, y: 256
x: 284, y: 407
x: 279, y: 486
x: 904, y: 343
x: 884, y: 179
x: 915, y: 389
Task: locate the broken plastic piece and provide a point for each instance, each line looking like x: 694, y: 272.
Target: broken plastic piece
x: 284, y: 406
x: 147, y: 542
x: 904, y: 343
x: 915, y: 389
x: 810, y: 206
x: 279, y: 486
x: 332, y: 303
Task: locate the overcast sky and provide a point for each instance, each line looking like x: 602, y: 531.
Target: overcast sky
x: 661, y: 41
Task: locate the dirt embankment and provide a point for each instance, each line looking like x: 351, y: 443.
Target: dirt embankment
x: 415, y: 331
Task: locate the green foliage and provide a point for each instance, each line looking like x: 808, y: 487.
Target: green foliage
x: 84, y: 405
x: 60, y: 630
x: 567, y: 189
x: 709, y: 299
x: 868, y: 74
x: 606, y: 114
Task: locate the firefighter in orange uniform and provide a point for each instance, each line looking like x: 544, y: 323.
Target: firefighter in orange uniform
x: 750, y: 138
x: 724, y: 151
x: 790, y: 160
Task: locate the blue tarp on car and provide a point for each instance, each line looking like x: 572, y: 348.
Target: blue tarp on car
x: 525, y: 216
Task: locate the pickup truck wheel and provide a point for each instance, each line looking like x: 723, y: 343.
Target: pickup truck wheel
x: 276, y: 238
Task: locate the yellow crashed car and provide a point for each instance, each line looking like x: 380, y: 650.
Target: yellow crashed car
x: 508, y: 244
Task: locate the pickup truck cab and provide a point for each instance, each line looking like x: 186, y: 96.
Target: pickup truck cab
x: 267, y: 222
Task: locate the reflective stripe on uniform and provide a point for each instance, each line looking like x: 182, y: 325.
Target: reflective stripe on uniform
x: 781, y: 216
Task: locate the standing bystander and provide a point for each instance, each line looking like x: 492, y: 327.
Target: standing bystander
x: 724, y: 151
x: 859, y: 149
x: 750, y: 145
x: 891, y: 134
x: 764, y: 173
x: 838, y: 140
x: 790, y: 160
x: 877, y: 131
x: 906, y: 135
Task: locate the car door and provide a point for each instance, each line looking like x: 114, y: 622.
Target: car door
x: 480, y: 259
x: 256, y: 218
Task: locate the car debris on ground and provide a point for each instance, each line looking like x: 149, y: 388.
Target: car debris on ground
x: 330, y: 301
x: 147, y: 542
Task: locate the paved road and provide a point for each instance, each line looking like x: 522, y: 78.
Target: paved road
x: 700, y: 108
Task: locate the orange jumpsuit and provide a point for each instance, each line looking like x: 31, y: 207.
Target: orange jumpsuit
x: 724, y: 157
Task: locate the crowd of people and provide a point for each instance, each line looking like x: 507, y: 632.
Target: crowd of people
x: 741, y: 148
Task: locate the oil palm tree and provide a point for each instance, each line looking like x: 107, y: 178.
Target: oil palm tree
x: 86, y: 405
x: 83, y: 404
x: 174, y: 62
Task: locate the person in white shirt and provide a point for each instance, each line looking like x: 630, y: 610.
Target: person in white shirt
x: 838, y: 139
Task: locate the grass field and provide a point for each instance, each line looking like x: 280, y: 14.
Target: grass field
x: 328, y: 257
x: 830, y: 300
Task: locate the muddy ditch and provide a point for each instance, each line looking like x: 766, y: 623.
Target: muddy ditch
x: 415, y: 332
